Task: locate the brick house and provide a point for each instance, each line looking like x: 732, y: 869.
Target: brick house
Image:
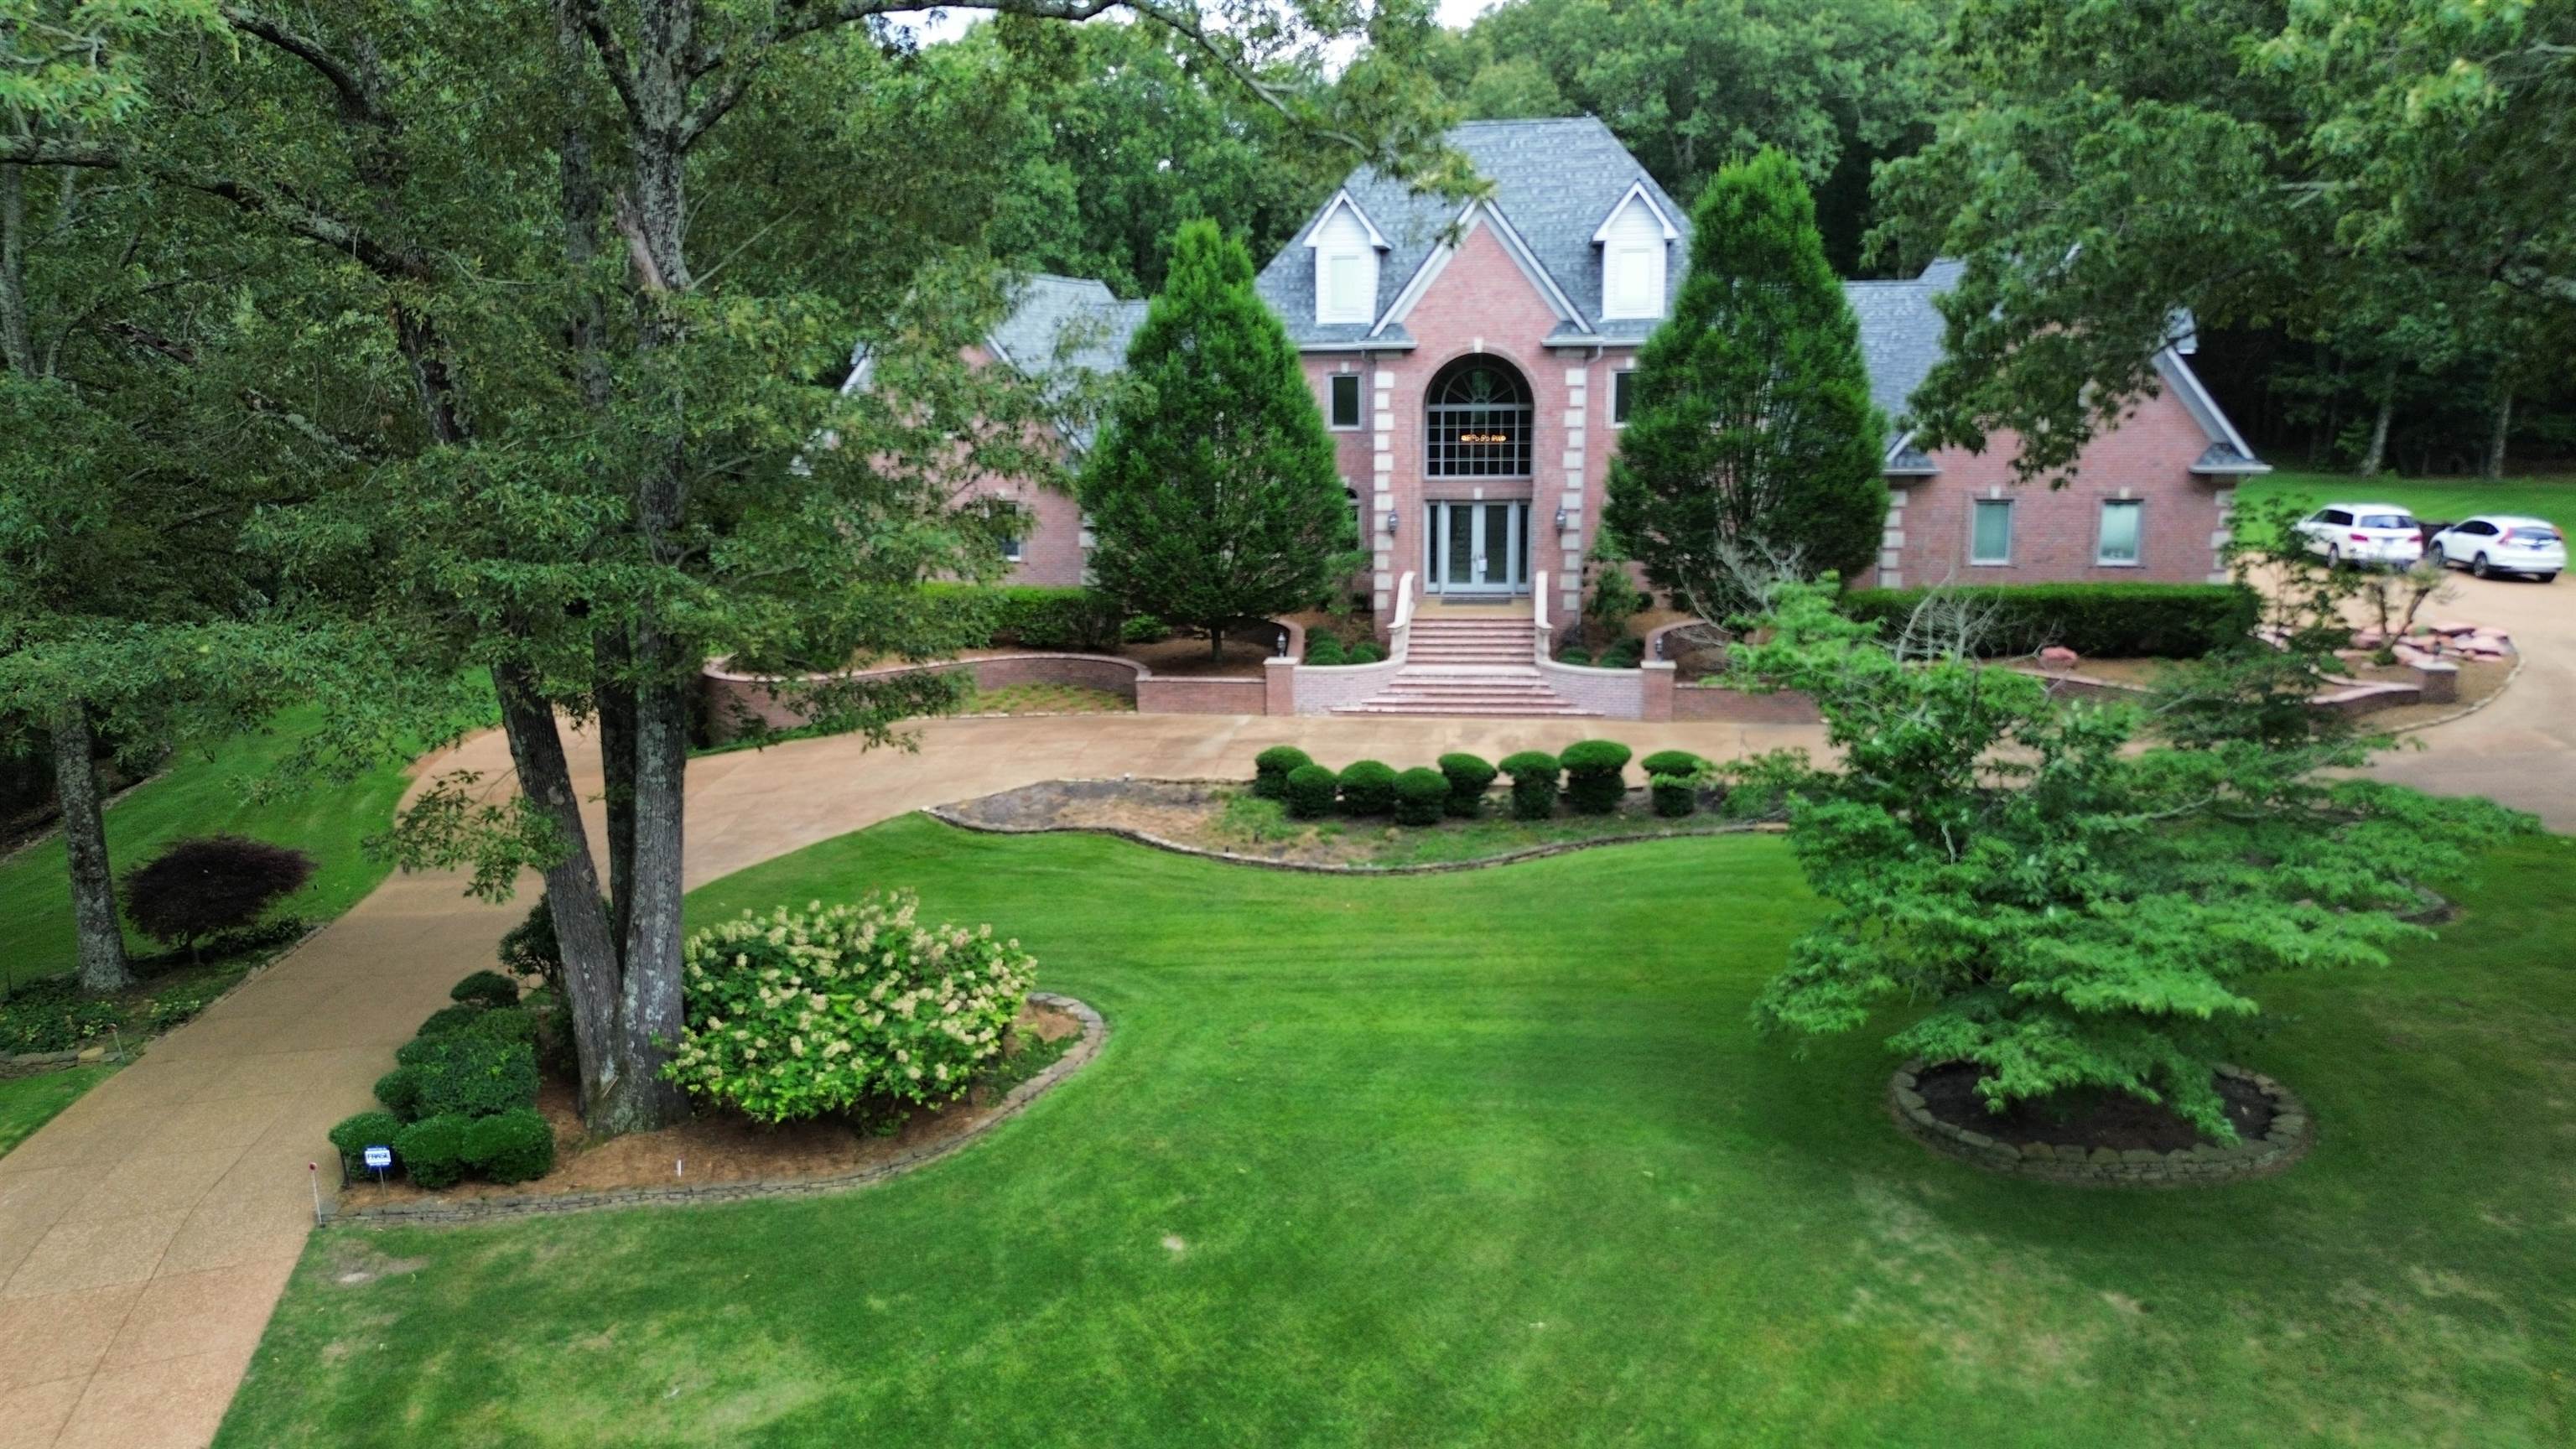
x: 1471, y: 362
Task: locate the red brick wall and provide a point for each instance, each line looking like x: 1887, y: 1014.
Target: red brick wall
x: 1157, y: 695
x: 1051, y: 553
x: 2055, y: 531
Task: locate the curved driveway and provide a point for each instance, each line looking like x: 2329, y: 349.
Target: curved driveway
x: 146, y: 1233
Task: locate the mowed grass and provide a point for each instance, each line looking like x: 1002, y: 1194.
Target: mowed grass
x: 27, y: 1103
x: 201, y: 793
x: 2445, y: 500
x: 1493, y: 1158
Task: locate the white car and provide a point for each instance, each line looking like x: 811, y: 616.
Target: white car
x: 2502, y: 543
x: 2363, y: 533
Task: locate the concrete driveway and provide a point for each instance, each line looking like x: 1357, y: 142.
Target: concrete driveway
x: 2520, y: 750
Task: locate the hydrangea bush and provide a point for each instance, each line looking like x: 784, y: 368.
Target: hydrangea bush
x: 795, y: 1014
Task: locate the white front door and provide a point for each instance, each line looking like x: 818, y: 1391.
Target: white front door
x: 1476, y: 548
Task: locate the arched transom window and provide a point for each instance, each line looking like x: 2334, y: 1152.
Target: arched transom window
x: 1478, y: 423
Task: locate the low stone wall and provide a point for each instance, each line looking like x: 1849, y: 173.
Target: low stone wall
x: 2292, y: 1133
x: 516, y: 1205
x: 1611, y: 693
x: 1321, y: 688
x: 1160, y: 694
x: 1734, y: 706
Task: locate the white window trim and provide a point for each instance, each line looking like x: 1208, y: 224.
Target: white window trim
x: 2102, y: 517
x: 1974, y: 506
x: 1359, y: 395
x: 1612, y: 411
x: 1015, y: 550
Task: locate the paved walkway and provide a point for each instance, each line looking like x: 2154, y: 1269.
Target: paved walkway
x: 146, y: 1233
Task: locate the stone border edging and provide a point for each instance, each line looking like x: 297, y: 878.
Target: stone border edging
x: 947, y: 815
x: 464, y: 1210
x: 2292, y: 1133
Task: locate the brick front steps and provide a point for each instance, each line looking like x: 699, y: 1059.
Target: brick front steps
x: 1468, y: 666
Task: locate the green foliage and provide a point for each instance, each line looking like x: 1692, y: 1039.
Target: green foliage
x: 1309, y: 792
x: 1271, y: 768
x: 1534, y: 777
x: 52, y: 1016
x: 1594, y: 783
x: 1214, y: 495
x: 513, y: 1146
x: 432, y: 1150
x: 1032, y: 616
x: 213, y: 883
x: 1626, y: 652
x: 1368, y: 788
x: 473, y: 1075
x: 1365, y: 652
x: 1674, y: 796
x: 1325, y: 649
x: 2107, y: 621
x: 530, y: 949
x: 1421, y: 796
x: 486, y: 988
x: 508, y: 1024
x: 399, y: 1090
x: 449, y: 1020
x: 1572, y: 654
x: 1144, y: 629
x: 1751, y: 430
x: 2076, y: 913
x: 1469, y: 776
x: 797, y: 1014
x: 1679, y: 763
x: 355, y: 1134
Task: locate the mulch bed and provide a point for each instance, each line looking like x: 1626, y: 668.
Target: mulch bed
x: 720, y: 1147
x: 2113, y: 1120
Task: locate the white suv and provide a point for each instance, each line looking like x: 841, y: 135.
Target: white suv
x: 2503, y: 543
x: 2363, y: 533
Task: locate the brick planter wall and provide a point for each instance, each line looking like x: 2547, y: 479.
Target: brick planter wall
x: 2292, y: 1133
x: 1156, y: 694
x: 1734, y: 706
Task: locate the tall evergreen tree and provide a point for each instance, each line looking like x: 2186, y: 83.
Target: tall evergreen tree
x: 1752, y: 425
x: 1213, y: 496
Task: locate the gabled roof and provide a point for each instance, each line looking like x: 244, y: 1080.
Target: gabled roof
x: 1555, y: 181
x: 1636, y: 195
x: 1057, y: 326
x: 1342, y: 202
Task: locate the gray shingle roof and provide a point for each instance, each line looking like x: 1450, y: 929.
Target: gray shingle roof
x: 1554, y: 181
x: 1900, y: 333
x: 1067, y: 322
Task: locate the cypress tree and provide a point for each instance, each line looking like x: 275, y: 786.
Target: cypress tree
x: 1213, y: 495
x: 1751, y: 425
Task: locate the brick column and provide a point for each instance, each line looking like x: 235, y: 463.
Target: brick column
x: 1658, y: 678
x: 1567, y: 606
x: 1382, y: 493
x: 1891, y: 544
x: 1279, y: 682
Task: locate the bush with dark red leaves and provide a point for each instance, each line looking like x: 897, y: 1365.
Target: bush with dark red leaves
x: 215, y: 883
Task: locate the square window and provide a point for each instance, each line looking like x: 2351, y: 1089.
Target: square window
x: 1012, y: 549
x: 2121, y: 520
x: 1623, y: 393
x: 1990, y: 539
x: 1346, y: 400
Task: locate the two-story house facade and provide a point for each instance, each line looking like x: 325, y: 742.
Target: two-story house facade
x: 1472, y: 363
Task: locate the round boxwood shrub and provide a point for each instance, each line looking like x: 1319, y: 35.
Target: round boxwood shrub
x: 1310, y: 790
x: 1368, y: 788
x: 799, y: 1013
x: 485, y: 988
x: 508, y: 1023
x: 1533, y: 775
x: 1325, y: 649
x: 356, y: 1134
x: 399, y: 1090
x: 513, y: 1146
x: 448, y: 1020
x: 1469, y: 777
x: 1421, y: 796
x: 1271, y: 768
x: 1364, y: 652
x: 1672, y: 762
x: 432, y: 1149
x: 476, y: 1076
x: 1593, y: 783
x: 1674, y: 795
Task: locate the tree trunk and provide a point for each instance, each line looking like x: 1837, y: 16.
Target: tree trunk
x: 590, y: 970
x: 649, y: 1005
x: 102, y: 941
x: 2495, y: 438
x: 17, y: 344
x: 613, y: 697
x: 1216, y: 642
x: 2377, y: 454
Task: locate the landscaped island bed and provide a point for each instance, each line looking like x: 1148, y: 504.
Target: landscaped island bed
x: 1493, y: 1158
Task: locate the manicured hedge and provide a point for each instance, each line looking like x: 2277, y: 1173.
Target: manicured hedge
x: 1672, y: 762
x: 485, y: 988
x: 356, y: 1134
x: 1368, y: 788
x: 1593, y: 783
x: 1534, y: 775
x: 1271, y: 768
x: 1674, y: 795
x: 1469, y: 778
x: 1033, y: 617
x: 512, y: 1146
x: 2109, y: 621
x: 1421, y: 796
x: 475, y: 1076
x: 433, y: 1149
x: 1310, y: 790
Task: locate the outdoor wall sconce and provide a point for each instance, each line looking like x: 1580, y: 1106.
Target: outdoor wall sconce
x: 1560, y: 520
x: 1390, y: 523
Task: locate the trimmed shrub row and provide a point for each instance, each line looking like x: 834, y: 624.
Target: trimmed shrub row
x: 1590, y: 772
x: 2110, y: 621
x: 1325, y: 649
x: 462, y: 1097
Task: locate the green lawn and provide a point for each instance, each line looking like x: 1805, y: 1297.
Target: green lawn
x: 2447, y: 500
x: 1493, y: 1159
x: 200, y: 794
x: 27, y: 1103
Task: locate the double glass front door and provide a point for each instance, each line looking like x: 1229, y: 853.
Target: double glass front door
x: 1476, y: 548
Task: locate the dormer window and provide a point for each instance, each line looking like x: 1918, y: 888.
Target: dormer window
x: 1346, y: 248
x: 1636, y: 244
